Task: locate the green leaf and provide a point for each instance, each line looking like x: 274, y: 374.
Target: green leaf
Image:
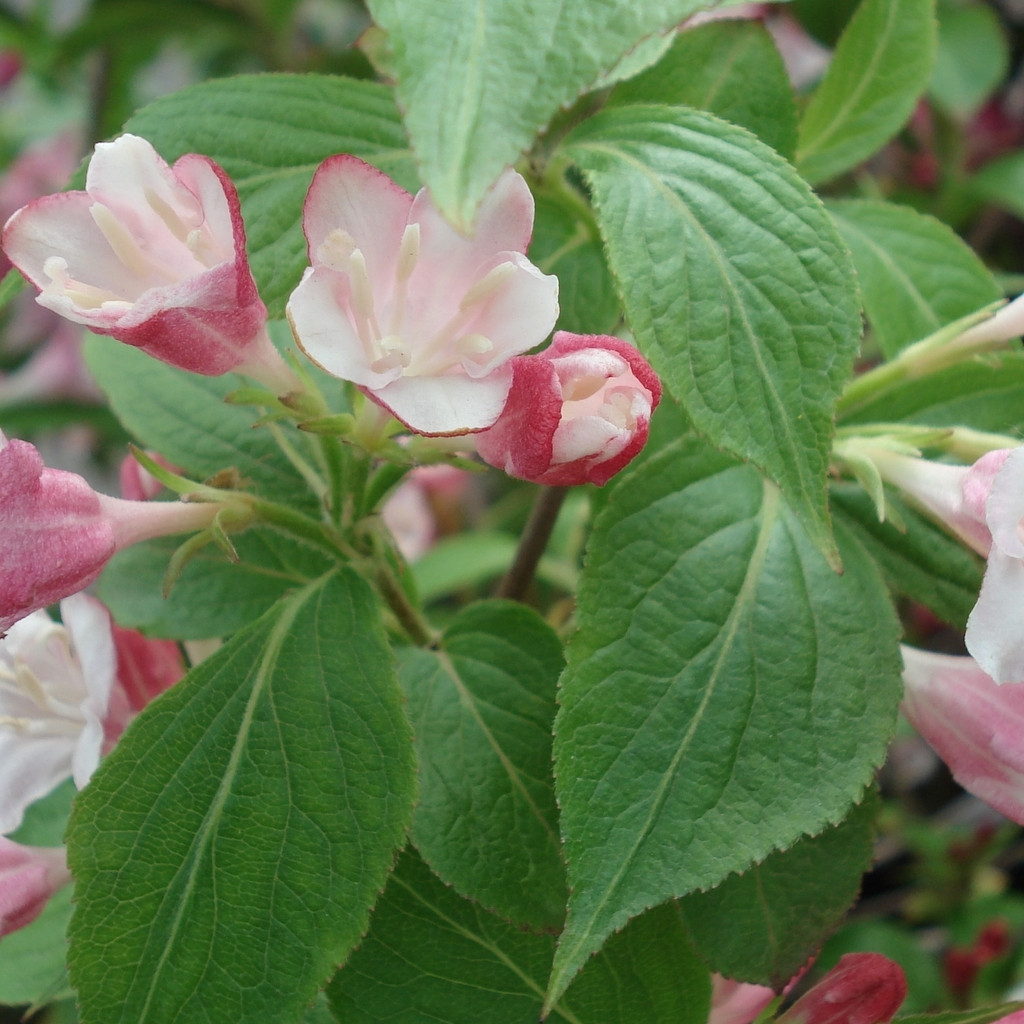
x: 433, y: 958
x: 728, y: 68
x: 880, y: 68
x: 916, y: 274
x: 694, y: 212
x: 213, y: 597
x: 11, y: 284
x: 986, y: 393
x: 482, y: 706
x: 229, y: 849
x: 763, y: 925
x: 270, y: 132
x: 978, y: 1015
x: 972, y: 59
x: 921, y: 561
x: 726, y: 692
x: 183, y: 416
x: 478, y: 81
x: 565, y: 247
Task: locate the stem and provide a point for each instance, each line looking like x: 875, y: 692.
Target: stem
x: 305, y: 470
x: 414, y: 624
x: 532, y: 543
x: 301, y: 526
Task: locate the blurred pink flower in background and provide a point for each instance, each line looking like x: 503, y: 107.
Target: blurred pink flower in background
x: 737, y: 1002
x: 29, y: 876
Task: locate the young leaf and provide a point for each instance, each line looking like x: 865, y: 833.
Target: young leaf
x: 431, y: 956
x: 735, y: 283
x: 230, y: 848
x: 764, y: 924
x: 726, y: 692
x: 922, y: 561
x: 729, y: 68
x: 881, y: 66
x: 916, y: 274
x: 986, y: 394
x: 270, y: 132
x: 475, y: 102
x: 482, y: 706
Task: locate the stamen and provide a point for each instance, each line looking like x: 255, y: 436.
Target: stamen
x: 487, y: 285
x: 408, y: 253
x: 582, y: 387
x: 177, y: 223
x: 335, y: 251
x: 471, y: 345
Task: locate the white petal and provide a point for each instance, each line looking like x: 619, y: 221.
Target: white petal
x: 995, y: 629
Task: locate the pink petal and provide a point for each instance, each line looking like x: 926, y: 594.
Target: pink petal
x: 29, y: 876
x: 994, y: 635
x: 975, y: 725
x: 349, y: 195
x: 446, y: 405
x: 1005, y: 506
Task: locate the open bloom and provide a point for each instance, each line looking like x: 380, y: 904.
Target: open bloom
x: 419, y: 317
x: 154, y: 256
x: 972, y: 723
x: 67, y: 691
x: 57, y: 533
x: 576, y: 413
x: 29, y: 876
x: 983, y: 504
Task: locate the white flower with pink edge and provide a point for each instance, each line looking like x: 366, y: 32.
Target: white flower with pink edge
x: 421, y: 318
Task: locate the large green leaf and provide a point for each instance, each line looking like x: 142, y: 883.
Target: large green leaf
x: 729, y: 68
x: 763, y: 925
x: 230, y: 848
x: 735, y: 283
x: 482, y: 706
x: 881, y: 66
x: 726, y: 692
x: 916, y: 275
x: 433, y: 958
x: 477, y: 81
x: 971, y: 61
x: 270, y: 132
x: 213, y: 597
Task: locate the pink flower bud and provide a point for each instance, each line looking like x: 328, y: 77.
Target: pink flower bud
x: 29, y: 876
x: 153, y: 256
x: 863, y: 988
x: 418, y: 316
x: 576, y: 413
x: 975, y: 725
x: 57, y: 533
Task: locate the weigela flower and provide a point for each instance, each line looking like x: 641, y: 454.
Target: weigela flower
x: 67, y: 692
x: 422, y: 319
x: 863, y: 988
x: 55, y: 687
x: 29, y: 876
x: 154, y: 256
x: 57, y: 533
x: 975, y: 725
x: 983, y: 504
x: 576, y: 413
